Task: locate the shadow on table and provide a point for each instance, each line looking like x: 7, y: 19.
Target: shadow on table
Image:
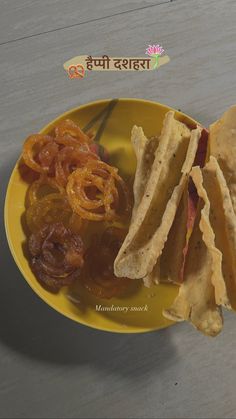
x: 30, y: 327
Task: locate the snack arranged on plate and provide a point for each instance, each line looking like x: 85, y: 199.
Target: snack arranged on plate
x: 158, y: 200
x: 98, y: 276
x: 181, y: 230
x: 169, y: 239
x: 70, y: 188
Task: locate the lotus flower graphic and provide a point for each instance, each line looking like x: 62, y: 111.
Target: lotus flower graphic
x: 155, y: 51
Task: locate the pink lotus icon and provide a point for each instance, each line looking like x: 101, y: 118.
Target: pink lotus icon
x: 155, y: 51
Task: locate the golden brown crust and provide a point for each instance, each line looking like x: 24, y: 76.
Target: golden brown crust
x: 155, y: 214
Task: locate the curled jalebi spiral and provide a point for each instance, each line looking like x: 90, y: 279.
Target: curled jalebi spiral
x: 94, y: 191
x: 71, y: 185
x: 98, y: 275
x: 52, y: 208
x: 68, y: 159
x: 68, y: 140
x: 68, y: 127
x: 58, y: 154
x: 39, y: 152
x: 56, y: 255
x: 26, y: 173
x: 43, y: 186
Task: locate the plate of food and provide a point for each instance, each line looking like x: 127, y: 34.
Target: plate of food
x: 120, y: 215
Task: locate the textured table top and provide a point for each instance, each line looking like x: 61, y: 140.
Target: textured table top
x: 49, y: 366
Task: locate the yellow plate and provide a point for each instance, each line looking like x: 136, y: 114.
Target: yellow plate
x: 141, y: 309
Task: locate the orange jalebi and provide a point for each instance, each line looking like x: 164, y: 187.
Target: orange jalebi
x: 27, y: 174
x: 71, y: 185
x: 43, y: 186
x: 47, y: 156
x: 50, y: 209
x: 58, y: 154
x: 68, y: 140
x: 39, y: 152
x: 68, y: 127
x: 56, y: 255
x: 98, y: 275
x: 68, y: 159
x: 93, y: 191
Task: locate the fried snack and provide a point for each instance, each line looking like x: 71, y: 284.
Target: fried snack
x: 56, y: 255
x: 217, y: 227
x: 147, y: 235
x: 222, y: 143
x: 170, y: 262
x: 26, y: 173
x: 51, y: 208
x: 93, y: 191
x: 69, y: 128
x: 219, y: 230
x: 69, y: 141
x: 44, y: 183
x: 69, y: 159
x: 196, y: 299
x: 39, y: 152
x: 98, y: 275
x: 168, y: 265
x: 144, y: 149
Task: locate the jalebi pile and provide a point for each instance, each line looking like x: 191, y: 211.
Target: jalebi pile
x: 56, y: 255
x: 98, y: 277
x: 69, y: 187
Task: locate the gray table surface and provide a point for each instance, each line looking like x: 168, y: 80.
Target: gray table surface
x: 49, y: 366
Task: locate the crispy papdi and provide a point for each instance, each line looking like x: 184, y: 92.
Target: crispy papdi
x: 222, y: 145
x: 144, y: 149
x: 210, y: 189
x: 196, y: 299
x: 169, y: 264
x: 210, y: 271
x: 155, y: 214
x: 223, y: 222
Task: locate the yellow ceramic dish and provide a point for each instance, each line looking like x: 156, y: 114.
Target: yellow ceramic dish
x: 141, y: 309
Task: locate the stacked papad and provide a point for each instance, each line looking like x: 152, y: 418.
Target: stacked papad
x: 159, y: 247
x: 157, y: 195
